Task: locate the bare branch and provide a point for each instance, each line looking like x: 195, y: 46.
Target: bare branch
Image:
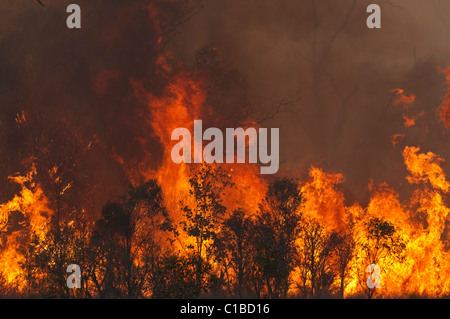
x: 392, y: 4
x: 281, y: 106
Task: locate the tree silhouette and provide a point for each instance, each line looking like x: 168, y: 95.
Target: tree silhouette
x: 132, y: 232
x: 276, y: 229
x: 315, y: 258
x: 57, y: 152
x: 233, y: 249
x: 176, y: 277
x: 47, y: 257
x: 381, y: 245
x: 202, y: 219
x: 345, y: 248
x: 105, y: 250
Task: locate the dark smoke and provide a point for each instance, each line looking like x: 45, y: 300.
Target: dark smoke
x: 331, y: 75
x: 339, y: 75
x: 74, y: 89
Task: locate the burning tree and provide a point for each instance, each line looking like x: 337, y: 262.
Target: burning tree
x: 277, y: 227
x: 58, y: 153
x: 234, y: 250
x: 381, y: 245
x: 317, y: 248
x: 203, y: 217
x: 257, y: 238
x: 344, y: 254
x: 45, y: 257
x: 130, y: 234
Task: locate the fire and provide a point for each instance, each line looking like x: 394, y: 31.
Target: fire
x: 425, y: 168
x: 427, y: 251
x: 424, y: 253
x: 183, y: 101
x: 425, y: 256
x: 402, y: 99
x: 33, y: 205
x: 406, y: 102
x: 321, y: 198
x: 421, y: 268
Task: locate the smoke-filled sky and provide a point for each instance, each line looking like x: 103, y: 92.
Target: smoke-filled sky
x: 289, y: 49
x: 331, y: 76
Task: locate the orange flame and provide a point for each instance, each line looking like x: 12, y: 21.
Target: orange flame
x: 33, y: 205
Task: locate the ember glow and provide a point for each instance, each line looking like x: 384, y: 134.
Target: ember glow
x: 361, y: 180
